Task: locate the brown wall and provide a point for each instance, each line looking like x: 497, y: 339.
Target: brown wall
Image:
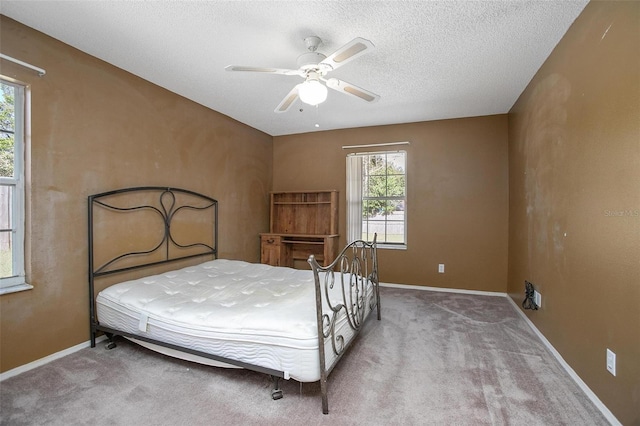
x: 574, y: 224
x: 573, y: 163
x: 95, y: 128
x: 457, y: 191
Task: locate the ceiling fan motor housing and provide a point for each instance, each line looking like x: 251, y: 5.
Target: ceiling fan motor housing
x: 310, y: 60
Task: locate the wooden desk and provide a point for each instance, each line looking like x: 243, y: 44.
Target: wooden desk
x: 285, y: 249
x: 301, y: 223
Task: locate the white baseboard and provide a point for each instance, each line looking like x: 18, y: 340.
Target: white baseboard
x: 583, y: 386
x: 592, y: 396
x: 445, y: 290
x: 47, y: 359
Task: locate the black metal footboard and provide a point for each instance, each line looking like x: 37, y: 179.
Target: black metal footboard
x: 347, y: 290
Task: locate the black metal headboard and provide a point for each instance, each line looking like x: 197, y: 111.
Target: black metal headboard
x: 165, y: 204
x: 138, y: 227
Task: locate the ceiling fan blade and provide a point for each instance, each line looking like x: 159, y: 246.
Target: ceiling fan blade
x: 356, y: 47
x: 288, y: 100
x: 351, y: 89
x: 263, y: 70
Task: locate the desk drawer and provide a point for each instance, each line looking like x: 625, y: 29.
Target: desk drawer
x: 272, y: 251
x: 271, y: 240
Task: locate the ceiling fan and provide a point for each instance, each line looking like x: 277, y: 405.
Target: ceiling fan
x: 313, y: 67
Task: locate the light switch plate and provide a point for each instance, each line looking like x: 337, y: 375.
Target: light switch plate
x: 611, y: 362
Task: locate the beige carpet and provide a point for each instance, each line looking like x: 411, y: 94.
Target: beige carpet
x: 434, y: 359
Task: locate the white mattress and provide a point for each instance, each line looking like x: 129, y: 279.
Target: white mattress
x: 253, y: 313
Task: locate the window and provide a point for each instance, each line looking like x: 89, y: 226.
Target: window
x: 12, y: 212
x: 377, y: 197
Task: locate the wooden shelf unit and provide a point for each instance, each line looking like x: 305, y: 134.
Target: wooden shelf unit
x: 301, y: 223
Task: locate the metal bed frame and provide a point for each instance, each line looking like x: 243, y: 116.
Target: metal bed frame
x: 350, y: 281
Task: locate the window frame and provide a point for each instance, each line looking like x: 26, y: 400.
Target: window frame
x: 355, y: 198
x: 17, y: 282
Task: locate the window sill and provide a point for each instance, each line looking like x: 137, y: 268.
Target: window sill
x: 15, y: 288
x: 392, y: 246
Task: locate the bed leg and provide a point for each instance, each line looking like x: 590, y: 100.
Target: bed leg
x: 110, y: 342
x: 325, y: 400
x: 378, y: 299
x: 276, y: 393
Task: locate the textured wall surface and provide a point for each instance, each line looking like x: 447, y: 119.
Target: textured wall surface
x: 553, y: 188
x: 457, y: 195
x: 95, y: 128
x: 574, y: 206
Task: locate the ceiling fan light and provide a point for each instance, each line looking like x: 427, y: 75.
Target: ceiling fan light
x: 312, y: 92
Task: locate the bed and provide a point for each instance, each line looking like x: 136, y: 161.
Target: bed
x: 284, y: 322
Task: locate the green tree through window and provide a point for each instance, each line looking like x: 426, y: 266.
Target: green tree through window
x: 384, y: 184
x: 7, y: 128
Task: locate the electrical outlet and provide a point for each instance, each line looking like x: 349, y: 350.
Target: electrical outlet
x: 611, y: 362
x: 441, y: 268
x: 537, y: 298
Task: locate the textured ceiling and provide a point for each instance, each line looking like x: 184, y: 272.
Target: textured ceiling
x: 433, y: 59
